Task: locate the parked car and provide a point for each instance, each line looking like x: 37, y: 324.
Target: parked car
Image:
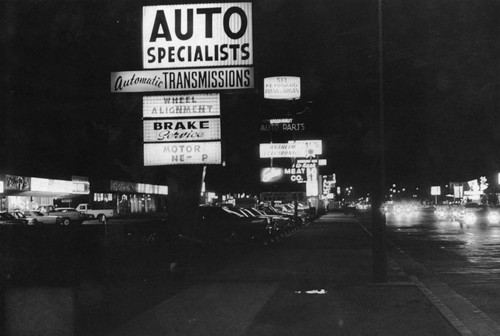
x: 30, y: 220
x: 72, y: 212
x: 289, y: 209
x: 43, y: 219
x: 102, y: 215
x: 69, y: 215
x: 9, y: 219
x: 296, y: 222
x: 224, y: 224
x: 281, y: 225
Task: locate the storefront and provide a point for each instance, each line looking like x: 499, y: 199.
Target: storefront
x: 27, y: 193
x: 129, y: 197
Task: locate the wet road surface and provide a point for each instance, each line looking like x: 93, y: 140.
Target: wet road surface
x: 467, y: 260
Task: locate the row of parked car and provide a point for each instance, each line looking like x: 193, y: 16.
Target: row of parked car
x: 57, y: 216
x: 261, y: 224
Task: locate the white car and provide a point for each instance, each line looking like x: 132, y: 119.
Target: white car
x: 43, y: 219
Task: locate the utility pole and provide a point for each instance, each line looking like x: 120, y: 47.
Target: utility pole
x: 379, y: 247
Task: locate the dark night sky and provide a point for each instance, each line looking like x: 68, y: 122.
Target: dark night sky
x: 441, y: 70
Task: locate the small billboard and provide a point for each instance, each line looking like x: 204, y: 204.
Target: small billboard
x: 283, y: 87
x: 435, y: 190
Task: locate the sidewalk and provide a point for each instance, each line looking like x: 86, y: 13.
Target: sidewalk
x: 316, y: 282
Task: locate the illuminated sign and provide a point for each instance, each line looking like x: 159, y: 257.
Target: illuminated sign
x: 297, y: 175
x: 182, y: 80
x: 328, y: 187
x: 156, y: 154
x: 435, y: 190
x: 282, y: 150
x: 282, y: 87
x: 190, y: 105
x: 1, y: 186
x: 303, y: 165
x: 80, y: 187
x: 19, y: 183
x: 271, y: 174
x: 122, y: 186
x: 49, y: 185
x: 142, y: 188
x: 145, y: 188
x: 197, y: 35
x: 283, y: 196
x: 282, y: 127
x: 312, y: 188
x: 313, y: 147
x: 170, y: 130
x: 458, y: 191
x: 319, y: 162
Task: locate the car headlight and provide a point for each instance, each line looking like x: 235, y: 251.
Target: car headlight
x: 470, y: 218
x: 493, y: 217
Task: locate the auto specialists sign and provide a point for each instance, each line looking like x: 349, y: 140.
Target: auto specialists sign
x: 158, y: 154
x: 197, y: 35
x: 189, y: 105
x: 168, y: 130
x: 182, y: 80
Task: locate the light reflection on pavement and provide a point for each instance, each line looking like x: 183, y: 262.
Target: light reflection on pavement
x: 467, y: 259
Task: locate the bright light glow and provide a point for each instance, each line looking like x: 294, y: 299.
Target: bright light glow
x: 49, y: 185
x: 493, y: 217
x: 271, y: 174
x: 314, y: 291
x: 470, y: 218
x: 280, y: 121
x: 435, y: 190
